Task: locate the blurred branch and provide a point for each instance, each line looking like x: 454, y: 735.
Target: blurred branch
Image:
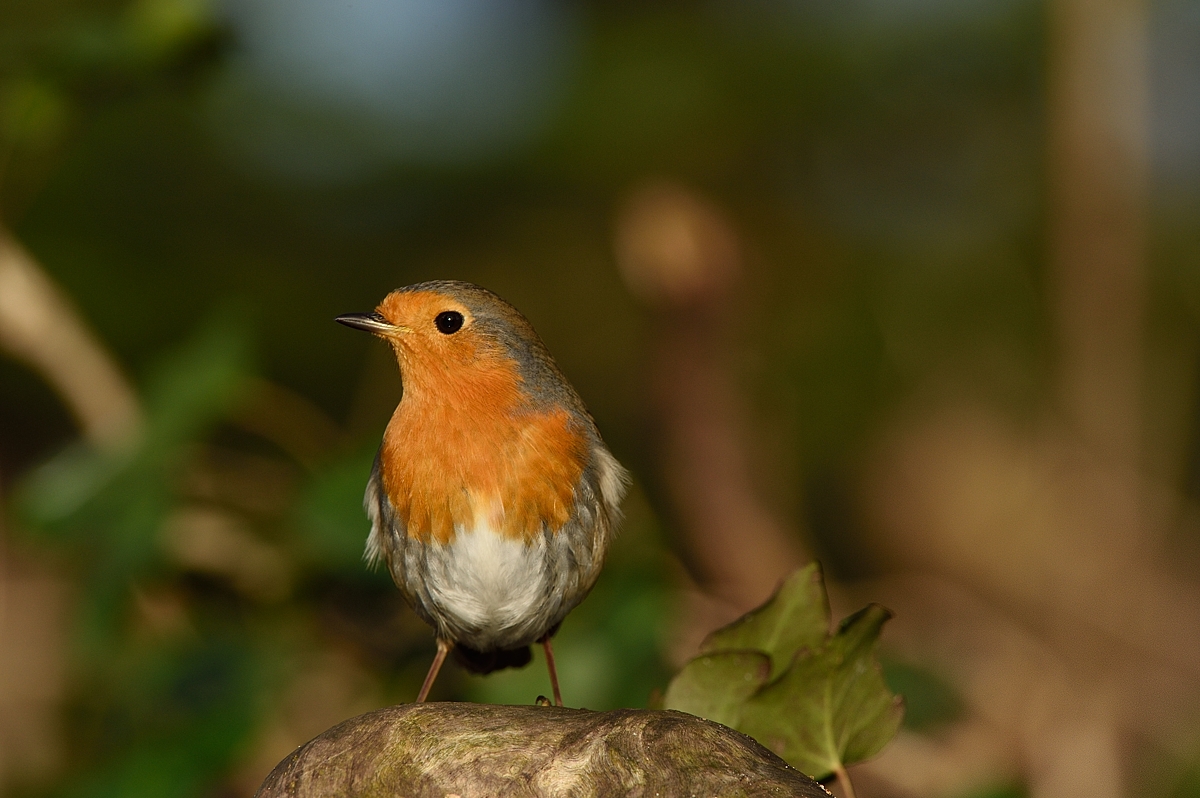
x: 40, y: 326
x: 214, y: 541
x: 287, y: 419
x: 32, y: 672
x: 33, y: 675
x: 1098, y: 167
x: 681, y: 256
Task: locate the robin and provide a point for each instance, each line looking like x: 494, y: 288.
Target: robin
x: 493, y: 498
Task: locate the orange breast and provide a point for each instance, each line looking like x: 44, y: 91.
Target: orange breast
x: 461, y: 450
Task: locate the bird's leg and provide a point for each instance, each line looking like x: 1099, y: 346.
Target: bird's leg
x: 444, y: 647
x: 553, y: 672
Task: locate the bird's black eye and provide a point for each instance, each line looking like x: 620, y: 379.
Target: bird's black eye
x: 449, y: 322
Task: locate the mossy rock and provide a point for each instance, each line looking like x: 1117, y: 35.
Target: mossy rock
x: 453, y: 749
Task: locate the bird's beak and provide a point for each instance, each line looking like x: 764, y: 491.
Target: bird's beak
x: 371, y: 322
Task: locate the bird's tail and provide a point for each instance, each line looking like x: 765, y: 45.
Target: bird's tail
x: 488, y: 661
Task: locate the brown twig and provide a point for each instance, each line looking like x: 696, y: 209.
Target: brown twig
x: 1098, y: 175
x: 40, y: 326
x: 680, y: 254
x: 843, y: 780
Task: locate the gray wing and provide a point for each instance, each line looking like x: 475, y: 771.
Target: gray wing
x: 575, y: 555
x: 386, y: 526
x: 406, y: 559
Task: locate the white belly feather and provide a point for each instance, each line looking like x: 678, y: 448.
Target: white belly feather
x: 489, y: 583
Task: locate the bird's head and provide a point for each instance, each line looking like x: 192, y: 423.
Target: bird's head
x: 451, y: 333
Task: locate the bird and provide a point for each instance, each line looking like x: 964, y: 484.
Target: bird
x: 492, y: 498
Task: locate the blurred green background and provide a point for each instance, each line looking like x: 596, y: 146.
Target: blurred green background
x: 210, y: 183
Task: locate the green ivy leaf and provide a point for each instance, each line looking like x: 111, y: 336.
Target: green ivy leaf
x: 795, y: 617
x: 716, y: 686
x: 819, y: 701
x: 832, y: 707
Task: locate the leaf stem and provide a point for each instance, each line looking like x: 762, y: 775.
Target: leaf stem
x: 844, y: 785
